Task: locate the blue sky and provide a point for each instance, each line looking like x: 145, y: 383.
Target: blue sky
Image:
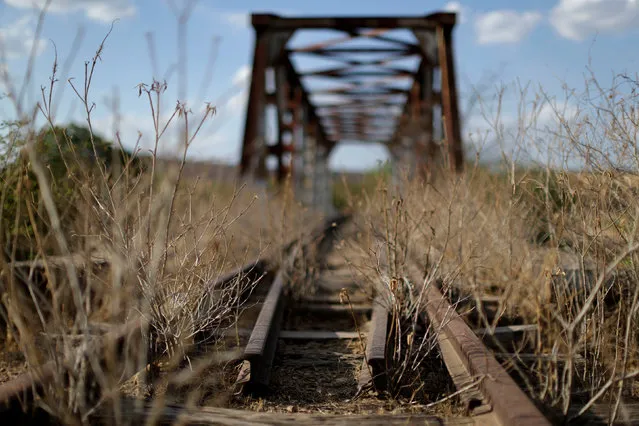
x: 545, y: 43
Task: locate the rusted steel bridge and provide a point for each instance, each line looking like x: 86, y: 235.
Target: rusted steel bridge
x: 373, y: 96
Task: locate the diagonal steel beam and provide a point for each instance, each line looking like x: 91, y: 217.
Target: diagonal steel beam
x: 332, y: 42
x: 338, y: 51
x: 345, y: 72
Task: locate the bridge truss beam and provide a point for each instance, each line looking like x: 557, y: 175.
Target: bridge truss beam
x: 419, y: 124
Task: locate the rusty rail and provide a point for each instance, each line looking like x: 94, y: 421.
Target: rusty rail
x: 465, y: 354
x: 260, y: 349
x: 259, y: 353
x: 374, y: 369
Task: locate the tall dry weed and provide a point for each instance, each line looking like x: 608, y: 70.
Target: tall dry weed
x: 550, y: 227
x: 131, y: 239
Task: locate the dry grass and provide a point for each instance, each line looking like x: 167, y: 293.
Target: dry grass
x: 160, y: 235
x: 558, y: 245
x: 514, y: 231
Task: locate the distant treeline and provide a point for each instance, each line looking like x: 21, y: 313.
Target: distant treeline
x: 71, y: 158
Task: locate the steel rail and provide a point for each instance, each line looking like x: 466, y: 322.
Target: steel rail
x: 260, y: 350
x: 373, y: 371
x: 461, y: 346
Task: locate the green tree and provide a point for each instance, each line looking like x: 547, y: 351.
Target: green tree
x: 72, y: 158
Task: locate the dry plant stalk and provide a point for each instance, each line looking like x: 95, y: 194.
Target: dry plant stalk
x: 96, y: 236
x: 550, y: 228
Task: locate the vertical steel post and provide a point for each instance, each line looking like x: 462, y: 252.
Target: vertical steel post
x: 427, y: 149
x: 282, y: 96
x: 254, y: 131
x: 317, y: 171
x: 309, y: 155
x: 449, y: 97
x: 298, y: 145
x: 322, y: 181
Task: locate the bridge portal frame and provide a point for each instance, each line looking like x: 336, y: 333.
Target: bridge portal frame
x: 307, y: 133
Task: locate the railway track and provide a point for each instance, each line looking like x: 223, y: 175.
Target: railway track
x: 315, y: 343
x: 319, y: 343
x: 314, y: 332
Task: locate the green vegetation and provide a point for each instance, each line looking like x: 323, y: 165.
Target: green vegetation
x: 347, y: 190
x: 72, y: 156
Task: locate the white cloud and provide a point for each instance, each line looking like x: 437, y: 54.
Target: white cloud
x: 18, y: 38
x: 459, y: 9
x: 242, y: 75
x: 576, y: 19
x: 97, y: 10
x: 236, y: 104
x: 238, y: 20
x: 505, y: 26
